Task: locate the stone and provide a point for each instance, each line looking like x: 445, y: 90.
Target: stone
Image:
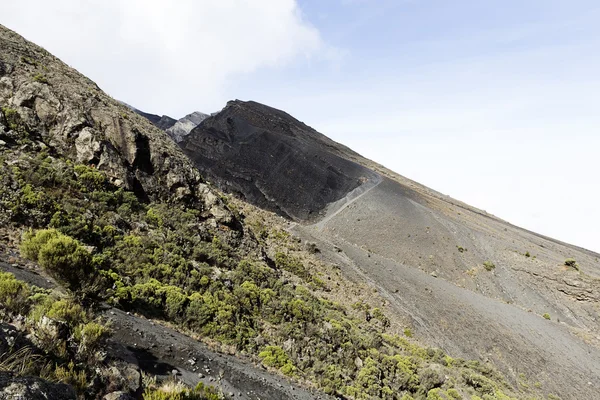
x: 86, y: 145
x: 32, y: 388
x: 127, y: 376
x: 118, y: 396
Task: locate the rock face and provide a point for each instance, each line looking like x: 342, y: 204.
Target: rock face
x: 31, y: 388
x: 184, y: 126
x: 164, y: 122
x: 272, y: 160
x: 48, y: 105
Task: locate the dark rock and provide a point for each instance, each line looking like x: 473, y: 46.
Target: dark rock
x: 32, y: 388
x: 164, y: 122
x: 273, y: 160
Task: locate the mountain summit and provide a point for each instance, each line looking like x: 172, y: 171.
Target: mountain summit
x: 467, y: 280
x: 184, y: 125
x: 134, y: 267
x: 273, y: 160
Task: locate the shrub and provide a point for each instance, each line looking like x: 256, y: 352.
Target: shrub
x: 90, y: 336
x: 90, y: 178
x: 71, y: 376
x: 274, y: 356
x: 488, y: 265
x: 40, y: 78
x: 291, y: 264
x: 61, y: 256
x: 66, y: 310
x: 172, y: 390
x: 546, y: 316
x: 14, y: 121
x: 13, y: 293
x: 570, y: 262
x: 33, y: 242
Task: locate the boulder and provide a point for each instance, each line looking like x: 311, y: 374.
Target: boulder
x: 33, y: 388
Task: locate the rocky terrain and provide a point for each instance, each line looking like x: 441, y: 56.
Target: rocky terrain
x: 164, y: 122
x: 184, y: 126
x: 472, y: 284
x: 272, y: 160
x: 125, y: 274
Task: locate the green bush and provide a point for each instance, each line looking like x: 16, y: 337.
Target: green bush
x: 570, y: 262
x: 274, y: 356
x: 61, y: 256
x: 40, y: 78
x: 13, y: 293
x: 70, y: 375
x: 546, y: 316
x: 90, y: 178
x: 13, y: 121
x: 91, y: 336
x: 291, y: 264
x: 34, y: 241
x: 488, y: 265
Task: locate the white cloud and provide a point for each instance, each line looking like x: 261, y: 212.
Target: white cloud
x: 163, y: 56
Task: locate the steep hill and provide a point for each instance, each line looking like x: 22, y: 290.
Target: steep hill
x: 273, y: 160
x: 118, y: 259
x: 470, y: 283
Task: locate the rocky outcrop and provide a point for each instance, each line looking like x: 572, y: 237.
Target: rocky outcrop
x: 48, y: 105
x: 273, y: 160
x: 184, y: 126
x: 32, y: 388
x: 164, y: 122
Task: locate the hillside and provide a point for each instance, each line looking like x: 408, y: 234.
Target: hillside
x: 126, y: 275
x: 469, y: 282
x: 272, y: 160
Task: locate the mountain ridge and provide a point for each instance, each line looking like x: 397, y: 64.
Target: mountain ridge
x: 104, y: 205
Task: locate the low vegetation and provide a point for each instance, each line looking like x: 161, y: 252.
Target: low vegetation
x: 489, y: 266
x: 64, y: 340
x: 570, y: 262
x: 174, y: 390
x: 164, y: 261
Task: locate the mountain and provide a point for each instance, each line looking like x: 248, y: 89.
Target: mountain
x: 273, y: 160
x: 184, y: 125
x: 164, y: 122
x: 131, y: 267
x: 469, y: 282
x: 105, y: 191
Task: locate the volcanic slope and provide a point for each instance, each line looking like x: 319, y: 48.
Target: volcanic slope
x: 103, y: 203
x: 471, y: 283
x: 273, y: 160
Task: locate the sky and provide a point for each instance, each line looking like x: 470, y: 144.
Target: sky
x: 495, y: 103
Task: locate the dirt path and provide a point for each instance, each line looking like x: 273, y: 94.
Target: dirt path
x: 337, y: 207
x: 165, y: 352
x: 389, y: 238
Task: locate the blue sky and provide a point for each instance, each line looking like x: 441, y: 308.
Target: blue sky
x: 492, y: 102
